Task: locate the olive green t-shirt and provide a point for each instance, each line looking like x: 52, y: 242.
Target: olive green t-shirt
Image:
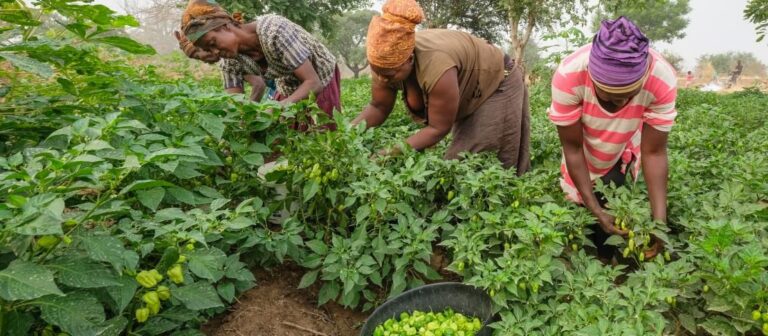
x: 480, y: 65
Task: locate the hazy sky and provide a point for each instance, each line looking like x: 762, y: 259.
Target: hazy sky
x: 716, y: 26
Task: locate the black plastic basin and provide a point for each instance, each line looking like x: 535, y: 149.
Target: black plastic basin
x: 465, y: 299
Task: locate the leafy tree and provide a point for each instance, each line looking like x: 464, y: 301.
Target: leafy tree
x: 660, y: 20
x: 348, y: 41
x: 158, y: 18
x: 674, y: 59
x: 757, y: 13
x: 310, y: 14
x: 482, y: 18
x: 526, y: 15
x: 724, y: 63
x: 531, y: 55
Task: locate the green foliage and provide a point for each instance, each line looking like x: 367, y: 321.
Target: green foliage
x: 725, y: 63
x: 674, y: 59
x: 757, y: 13
x: 313, y: 15
x: 132, y: 204
x: 525, y: 16
x: 348, y: 41
x: 659, y: 20
x: 485, y: 18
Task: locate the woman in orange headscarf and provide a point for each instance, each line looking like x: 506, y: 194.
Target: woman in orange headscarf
x: 451, y: 80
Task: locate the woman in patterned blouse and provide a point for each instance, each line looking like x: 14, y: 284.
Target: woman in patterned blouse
x: 234, y: 71
x: 285, y: 52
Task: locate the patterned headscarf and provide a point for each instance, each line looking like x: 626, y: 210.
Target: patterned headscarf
x: 190, y: 49
x: 619, y: 62
x: 392, y: 36
x: 201, y: 17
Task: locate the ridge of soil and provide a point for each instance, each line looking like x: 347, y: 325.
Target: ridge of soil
x: 275, y: 307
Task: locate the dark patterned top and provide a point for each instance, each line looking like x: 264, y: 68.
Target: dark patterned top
x: 234, y: 69
x: 287, y: 46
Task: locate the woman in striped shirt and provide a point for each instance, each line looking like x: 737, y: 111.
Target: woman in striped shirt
x: 613, y: 102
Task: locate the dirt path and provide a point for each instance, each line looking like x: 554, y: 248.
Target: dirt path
x: 276, y: 308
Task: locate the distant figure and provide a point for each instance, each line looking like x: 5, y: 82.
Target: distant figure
x: 736, y: 74
x: 689, y: 79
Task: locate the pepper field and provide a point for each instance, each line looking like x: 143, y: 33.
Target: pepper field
x: 109, y: 171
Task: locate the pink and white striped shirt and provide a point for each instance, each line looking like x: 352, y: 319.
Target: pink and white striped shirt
x: 609, y: 137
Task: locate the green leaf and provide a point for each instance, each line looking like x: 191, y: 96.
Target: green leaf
x: 191, y: 152
x: 254, y: 159
x: 198, y: 296
x: 170, y: 257
x: 67, y: 85
x: 48, y: 223
x: 18, y: 323
x: 157, y: 326
x: 329, y: 291
x: 183, y: 195
x: 614, y: 240
x: 111, y: 250
x: 113, y: 327
x: 27, y: 64
x: 258, y: 147
x: 87, y: 158
x: 226, y: 291
x: 188, y: 332
x: 398, y: 283
x: 310, y: 190
x: 16, y: 201
x: 318, y: 247
x: 207, y: 263
x: 308, y: 279
x: 362, y: 213
x: 145, y: 184
x: 127, y: 44
x: 123, y: 294
x: 719, y: 326
x: 82, y: 273
x: 688, y: 322
x: 151, y: 198
x: 213, y: 125
x: 16, y: 15
x: 76, y: 313
x: 23, y: 280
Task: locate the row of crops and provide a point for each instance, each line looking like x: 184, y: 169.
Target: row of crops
x: 133, y: 204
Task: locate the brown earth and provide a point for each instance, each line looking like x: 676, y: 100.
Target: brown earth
x: 275, y: 307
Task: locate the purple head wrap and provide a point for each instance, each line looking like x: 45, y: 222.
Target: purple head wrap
x: 619, y: 54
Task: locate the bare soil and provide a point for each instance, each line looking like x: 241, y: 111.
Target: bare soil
x: 275, y: 307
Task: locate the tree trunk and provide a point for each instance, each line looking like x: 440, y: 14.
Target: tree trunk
x: 519, y: 42
x: 357, y: 68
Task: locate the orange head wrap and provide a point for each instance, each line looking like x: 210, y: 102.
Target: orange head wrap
x: 392, y: 36
x: 201, y: 17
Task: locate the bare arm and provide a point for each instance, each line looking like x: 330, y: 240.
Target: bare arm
x: 378, y: 109
x: 572, y: 140
x: 443, y: 107
x: 234, y: 90
x: 310, y: 83
x: 257, y: 86
x: 653, y: 148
